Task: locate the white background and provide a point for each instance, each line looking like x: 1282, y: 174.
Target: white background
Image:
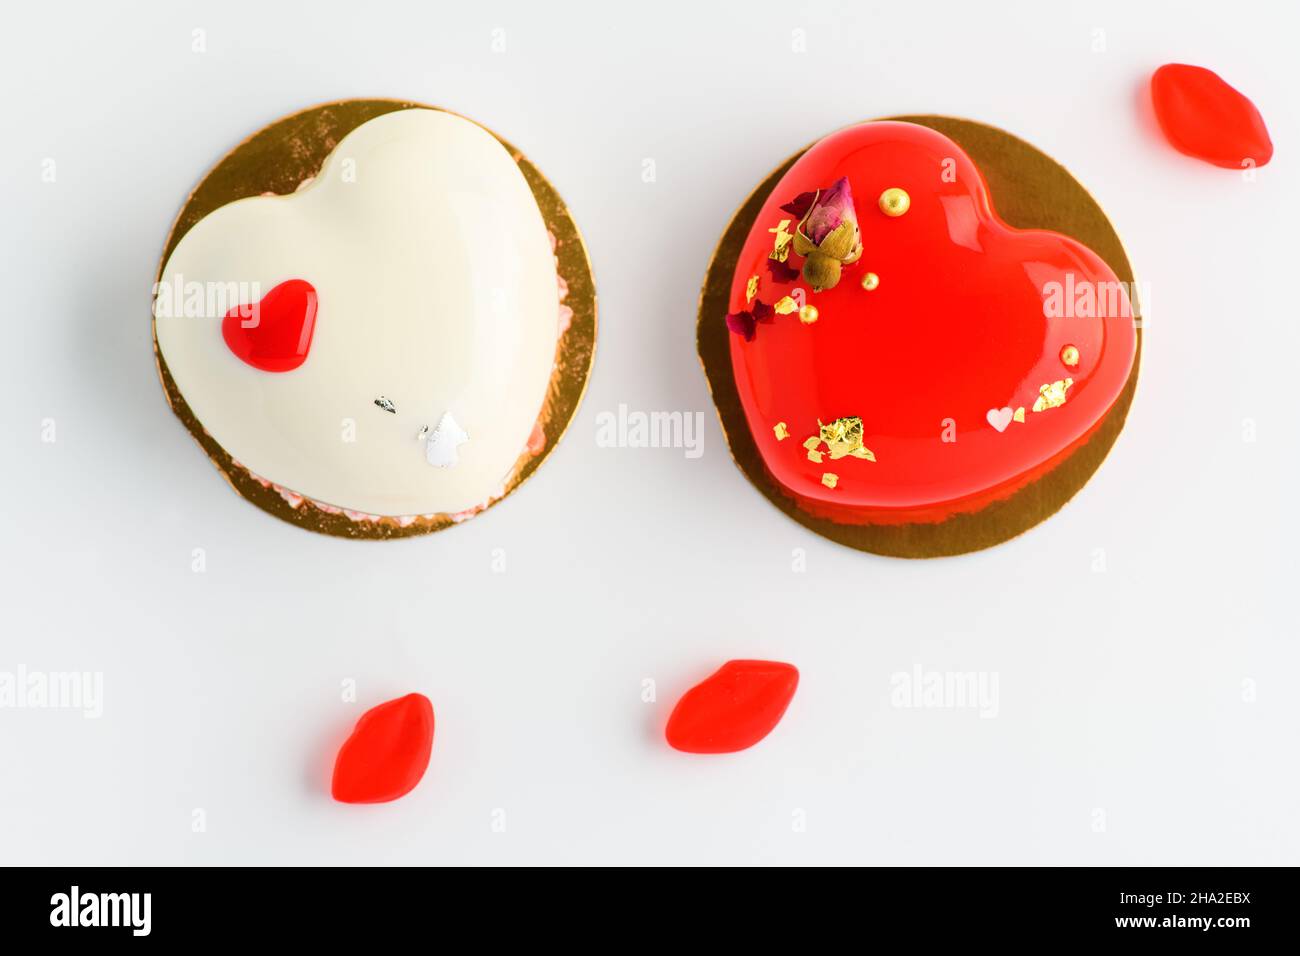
x: 1126, y: 730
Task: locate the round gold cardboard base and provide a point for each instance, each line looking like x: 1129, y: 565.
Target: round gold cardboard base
x: 1029, y: 191
x: 276, y: 160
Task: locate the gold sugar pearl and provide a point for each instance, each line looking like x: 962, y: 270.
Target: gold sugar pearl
x: 1070, y: 356
x: 808, y: 314
x: 871, y: 282
x: 895, y: 201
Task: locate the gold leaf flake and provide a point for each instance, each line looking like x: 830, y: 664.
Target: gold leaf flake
x: 1019, y: 414
x: 781, y: 243
x: 830, y: 480
x: 842, y: 436
x: 786, y: 305
x: 751, y: 288
x: 782, y: 433
x: 1052, y: 395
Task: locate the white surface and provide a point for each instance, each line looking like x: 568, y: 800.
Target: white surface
x: 1119, y: 691
x: 437, y: 289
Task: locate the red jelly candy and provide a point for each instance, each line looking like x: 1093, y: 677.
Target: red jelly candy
x: 1204, y: 117
x: 387, y: 753
x: 274, y: 335
x: 733, y: 709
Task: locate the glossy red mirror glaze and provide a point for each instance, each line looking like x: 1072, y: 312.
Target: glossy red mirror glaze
x: 945, y: 358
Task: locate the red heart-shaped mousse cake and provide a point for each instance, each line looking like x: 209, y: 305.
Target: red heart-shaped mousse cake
x: 274, y: 335
x: 901, y: 354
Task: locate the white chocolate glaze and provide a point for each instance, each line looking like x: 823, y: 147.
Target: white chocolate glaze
x: 436, y: 289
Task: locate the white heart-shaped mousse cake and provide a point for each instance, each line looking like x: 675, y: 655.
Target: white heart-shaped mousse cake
x: 379, y: 342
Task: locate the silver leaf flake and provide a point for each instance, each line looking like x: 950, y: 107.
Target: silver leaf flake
x: 386, y: 405
x: 446, y: 437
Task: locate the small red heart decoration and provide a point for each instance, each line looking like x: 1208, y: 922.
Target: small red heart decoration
x: 734, y: 708
x: 949, y: 359
x: 387, y: 753
x: 274, y: 334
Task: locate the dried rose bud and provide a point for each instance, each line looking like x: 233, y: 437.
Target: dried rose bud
x: 827, y: 236
x: 831, y: 208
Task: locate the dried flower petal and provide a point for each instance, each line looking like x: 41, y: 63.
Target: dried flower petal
x: 800, y: 204
x: 781, y: 272
x: 746, y: 322
x: 742, y: 323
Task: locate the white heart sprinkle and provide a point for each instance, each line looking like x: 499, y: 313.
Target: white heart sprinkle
x: 1000, y: 418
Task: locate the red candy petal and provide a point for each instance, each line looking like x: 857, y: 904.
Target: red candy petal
x: 733, y: 709
x: 274, y: 335
x: 1204, y: 117
x: 387, y: 753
